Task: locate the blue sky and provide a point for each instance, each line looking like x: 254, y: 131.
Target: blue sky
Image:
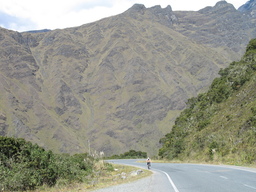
x: 25, y: 15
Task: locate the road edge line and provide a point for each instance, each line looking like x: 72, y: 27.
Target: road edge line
x: 170, y: 180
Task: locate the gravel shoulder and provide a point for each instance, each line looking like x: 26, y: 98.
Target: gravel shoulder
x: 155, y: 182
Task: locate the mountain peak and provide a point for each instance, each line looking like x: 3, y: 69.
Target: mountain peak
x: 155, y: 9
x: 224, y: 5
x: 137, y: 7
x: 249, y: 7
x: 164, y: 16
x: 159, y: 9
x: 221, y: 3
x: 219, y: 8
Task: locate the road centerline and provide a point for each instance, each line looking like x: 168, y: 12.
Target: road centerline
x: 223, y: 177
x: 249, y: 186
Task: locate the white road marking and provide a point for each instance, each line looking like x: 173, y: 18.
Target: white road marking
x: 249, y: 186
x: 170, y: 180
x: 223, y: 177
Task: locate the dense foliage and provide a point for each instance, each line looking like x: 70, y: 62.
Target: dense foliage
x: 220, y: 124
x: 24, y: 166
x: 132, y: 154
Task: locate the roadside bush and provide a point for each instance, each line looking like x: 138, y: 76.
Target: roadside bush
x: 132, y: 154
x: 25, y: 166
x: 212, y: 148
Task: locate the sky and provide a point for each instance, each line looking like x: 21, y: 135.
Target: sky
x: 26, y: 15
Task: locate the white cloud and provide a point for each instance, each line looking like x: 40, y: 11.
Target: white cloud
x: 52, y: 14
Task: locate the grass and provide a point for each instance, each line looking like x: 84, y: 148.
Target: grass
x: 102, y: 179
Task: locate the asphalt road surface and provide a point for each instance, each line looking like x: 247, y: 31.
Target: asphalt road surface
x: 172, y: 177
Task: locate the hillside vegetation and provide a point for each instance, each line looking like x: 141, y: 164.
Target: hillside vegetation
x: 131, y: 154
x: 219, y: 125
x: 26, y: 166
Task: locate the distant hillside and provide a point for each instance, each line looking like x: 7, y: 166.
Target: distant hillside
x: 219, y: 125
x: 38, y: 31
x: 116, y: 84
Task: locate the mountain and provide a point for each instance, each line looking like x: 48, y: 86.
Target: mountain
x: 118, y: 83
x: 219, y: 125
x: 249, y: 8
x: 38, y: 31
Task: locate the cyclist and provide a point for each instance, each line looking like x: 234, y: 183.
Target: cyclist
x: 148, y: 162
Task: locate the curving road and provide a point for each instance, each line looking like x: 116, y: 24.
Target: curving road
x: 174, y: 177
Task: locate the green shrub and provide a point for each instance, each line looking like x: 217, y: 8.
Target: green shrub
x: 213, y: 147
x: 132, y: 154
x: 203, y: 124
x: 253, y: 109
x: 24, y: 166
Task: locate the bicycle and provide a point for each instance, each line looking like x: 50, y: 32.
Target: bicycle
x: 149, y: 165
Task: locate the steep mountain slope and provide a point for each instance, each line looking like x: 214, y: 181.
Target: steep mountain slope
x: 118, y: 83
x: 249, y: 8
x: 223, y: 33
x: 219, y: 125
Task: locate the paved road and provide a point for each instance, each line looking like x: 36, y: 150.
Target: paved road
x: 189, y: 178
